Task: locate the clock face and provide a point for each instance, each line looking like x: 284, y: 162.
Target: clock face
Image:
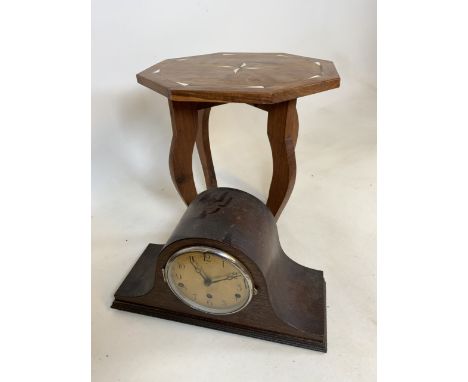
x: 209, y: 280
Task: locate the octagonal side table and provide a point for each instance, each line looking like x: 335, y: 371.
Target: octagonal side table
x: 269, y: 81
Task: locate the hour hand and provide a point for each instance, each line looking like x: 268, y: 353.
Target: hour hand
x: 199, y: 270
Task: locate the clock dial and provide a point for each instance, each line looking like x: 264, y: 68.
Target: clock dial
x: 209, y: 280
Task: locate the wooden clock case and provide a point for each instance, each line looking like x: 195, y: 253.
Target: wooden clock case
x: 289, y: 306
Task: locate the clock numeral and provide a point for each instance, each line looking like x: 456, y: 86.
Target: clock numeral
x: 209, y: 303
x: 180, y: 266
x: 239, y: 288
x: 194, y: 296
x: 206, y: 257
x: 237, y: 296
x: 177, y: 276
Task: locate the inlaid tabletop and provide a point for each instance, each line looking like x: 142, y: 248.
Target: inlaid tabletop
x: 263, y: 78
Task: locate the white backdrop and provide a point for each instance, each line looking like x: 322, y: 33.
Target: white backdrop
x: 329, y: 223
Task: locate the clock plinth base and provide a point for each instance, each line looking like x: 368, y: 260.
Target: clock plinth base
x: 142, y: 292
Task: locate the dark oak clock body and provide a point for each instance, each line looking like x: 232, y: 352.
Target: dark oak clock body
x: 289, y: 304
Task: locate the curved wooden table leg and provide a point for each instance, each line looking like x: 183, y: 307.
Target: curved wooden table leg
x: 283, y: 127
x: 184, y: 117
x: 203, y: 147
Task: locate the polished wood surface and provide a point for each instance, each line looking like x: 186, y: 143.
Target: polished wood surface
x: 262, y: 78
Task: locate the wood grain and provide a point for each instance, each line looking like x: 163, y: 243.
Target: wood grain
x: 184, y: 118
x: 262, y: 78
x: 283, y: 129
x: 203, y: 148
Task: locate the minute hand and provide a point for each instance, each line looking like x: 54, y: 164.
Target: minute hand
x: 227, y: 277
x: 200, y: 271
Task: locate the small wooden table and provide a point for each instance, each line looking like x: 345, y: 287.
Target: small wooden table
x: 269, y: 81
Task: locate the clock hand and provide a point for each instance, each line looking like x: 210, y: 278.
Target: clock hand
x: 230, y: 276
x: 200, y: 271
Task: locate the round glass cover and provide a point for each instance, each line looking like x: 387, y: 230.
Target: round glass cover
x: 209, y: 280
